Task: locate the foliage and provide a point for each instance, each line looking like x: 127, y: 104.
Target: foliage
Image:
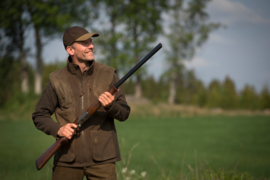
x: 156, y: 91
x: 9, y: 81
x: 141, y: 24
x: 192, y: 91
x: 53, y: 17
x: 129, y: 86
x: 228, y: 94
x: 249, y: 98
x: 112, y: 52
x: 50, y: 18
x: 47, y: 18
x: 214, y: 94
x: 264, y: 98
x: 188, y: 29
x: 11, y: 98
x: 14, y: 24
x: 126, y: 35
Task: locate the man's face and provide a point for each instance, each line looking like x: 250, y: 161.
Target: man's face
x: 83, y: 50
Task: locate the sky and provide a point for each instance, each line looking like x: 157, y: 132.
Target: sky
x: 241, y: 50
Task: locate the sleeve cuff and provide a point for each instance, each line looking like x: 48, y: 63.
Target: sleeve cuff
x: 55, y: 129
x: 112, y: 108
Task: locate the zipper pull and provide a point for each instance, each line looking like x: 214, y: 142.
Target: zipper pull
x: 82, y: 93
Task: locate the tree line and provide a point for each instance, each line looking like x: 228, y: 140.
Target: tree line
x: 129, y: 29
x: 192, y: 91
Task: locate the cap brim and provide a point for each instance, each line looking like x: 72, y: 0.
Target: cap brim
x: 87, y: 36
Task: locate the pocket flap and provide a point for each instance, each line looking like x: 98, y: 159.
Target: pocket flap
x: 103, y: 147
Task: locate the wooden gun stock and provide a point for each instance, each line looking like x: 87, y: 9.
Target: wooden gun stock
x: 45, y: 157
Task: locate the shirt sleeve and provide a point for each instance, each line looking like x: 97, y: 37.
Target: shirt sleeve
x: 44, y: 109
x: 119, y: 108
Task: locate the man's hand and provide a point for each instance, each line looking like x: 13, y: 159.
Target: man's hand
x: 106, y: 99
x: 67, y: 130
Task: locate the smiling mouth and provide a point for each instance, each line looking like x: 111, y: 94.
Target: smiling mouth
x: 89, y: 52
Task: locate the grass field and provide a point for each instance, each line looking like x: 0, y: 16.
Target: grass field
x: 172, y: 147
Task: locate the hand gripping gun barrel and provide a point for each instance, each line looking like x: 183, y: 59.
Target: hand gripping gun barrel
x: 44, y: 158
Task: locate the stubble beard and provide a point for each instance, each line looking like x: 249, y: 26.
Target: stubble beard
x: 85, y: 58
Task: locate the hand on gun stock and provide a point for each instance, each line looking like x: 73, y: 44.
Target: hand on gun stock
x: 67, y: 130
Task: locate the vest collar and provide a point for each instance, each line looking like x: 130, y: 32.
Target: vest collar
x: 75, y: 69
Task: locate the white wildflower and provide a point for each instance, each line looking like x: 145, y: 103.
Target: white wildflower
x: 132, y: 171
x: 143, y: 173
x: 124, y: 170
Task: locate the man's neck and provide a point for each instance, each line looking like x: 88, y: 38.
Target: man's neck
x: 84, y: 65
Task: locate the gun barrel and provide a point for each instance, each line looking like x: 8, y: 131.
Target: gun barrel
x: 135, y: 68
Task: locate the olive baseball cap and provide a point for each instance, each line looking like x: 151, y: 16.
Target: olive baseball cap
x: 76, y: 33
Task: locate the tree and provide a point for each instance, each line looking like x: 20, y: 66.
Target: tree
x: 141, y: 24
x: 189, y: 29
x: 14, y: 23
x: 194, y: 91
x: 248, y: 98
x: 214, y: 94
x: 229, y: 95
x: 111, y: 37
x: 49, y: 18
x: 151, y: 89
x: 265, y: 98
x: 200, y: 98
x: 8, y: 82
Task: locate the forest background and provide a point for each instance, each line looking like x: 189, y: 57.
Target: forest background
x: 126, y: 37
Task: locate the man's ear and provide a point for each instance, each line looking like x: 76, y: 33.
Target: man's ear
x: 70, y: 50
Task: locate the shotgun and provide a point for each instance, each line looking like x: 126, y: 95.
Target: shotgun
x: 44, y: 158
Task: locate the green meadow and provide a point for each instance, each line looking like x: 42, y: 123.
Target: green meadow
x: 157, y: 148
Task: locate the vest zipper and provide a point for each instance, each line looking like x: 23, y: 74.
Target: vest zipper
x: 82, y: 132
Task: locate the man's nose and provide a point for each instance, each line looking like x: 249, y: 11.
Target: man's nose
x: 91, y: 45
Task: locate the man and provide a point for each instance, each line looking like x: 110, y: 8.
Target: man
x: 93, y: 149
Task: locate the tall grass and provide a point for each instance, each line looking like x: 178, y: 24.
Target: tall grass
x: 200, y: 171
